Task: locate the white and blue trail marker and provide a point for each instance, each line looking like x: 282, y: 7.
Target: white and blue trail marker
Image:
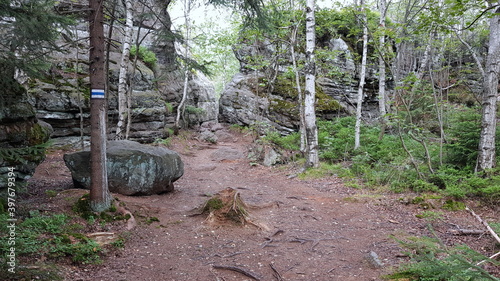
x: 97, y: 94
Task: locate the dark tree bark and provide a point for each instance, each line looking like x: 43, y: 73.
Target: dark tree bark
x: 100, y: 198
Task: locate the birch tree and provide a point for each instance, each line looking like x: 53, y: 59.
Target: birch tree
x: 357, y: 129
x: 486, y: 153
x: 187, y: 23
x: 381, y: 63
x: 123, y: 106
x: 312, y: 158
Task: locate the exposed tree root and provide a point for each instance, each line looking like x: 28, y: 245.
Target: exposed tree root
x: 237, y: 269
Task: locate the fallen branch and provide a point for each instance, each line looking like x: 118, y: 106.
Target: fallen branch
x: 237, y: 269
x: 461, y: 231
x: 490, y: 258
x: 492, y: 232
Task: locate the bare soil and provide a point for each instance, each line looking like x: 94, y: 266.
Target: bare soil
x: 313, y: 229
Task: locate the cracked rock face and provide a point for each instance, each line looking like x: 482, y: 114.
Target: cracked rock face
x: 22, y: 135
x: 246, y: 103
x: 133, y: 168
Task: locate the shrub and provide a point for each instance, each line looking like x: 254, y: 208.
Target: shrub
x: 145, y: 55
x: 463, y: 137
x: 288, y: 142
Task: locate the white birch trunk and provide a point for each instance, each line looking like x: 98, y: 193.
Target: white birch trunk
x: 357, y: 128
x: 180, y: 108
x: 312, y: 158
x: 381, y: 63
x: 486, y: 155
x: 299, y: 89
x: 123, y: 105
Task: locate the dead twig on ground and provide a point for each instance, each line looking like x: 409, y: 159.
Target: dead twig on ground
x: 490, y: 258
x: 492, y: 232
x: 315, y: 242
x: 461, y: 231
x: 239, y: 270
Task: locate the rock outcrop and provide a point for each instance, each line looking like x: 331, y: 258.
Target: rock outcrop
x: 133, y: 168
x: 22, y: 136
x: 61, y: 98
x: 244, y: 102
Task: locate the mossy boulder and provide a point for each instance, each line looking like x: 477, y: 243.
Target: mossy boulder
x: 133, y: 168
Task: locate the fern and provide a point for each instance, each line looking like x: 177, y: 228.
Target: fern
x: 23, y: 155
x: 431, y: 260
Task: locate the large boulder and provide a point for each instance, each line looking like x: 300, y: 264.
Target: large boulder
x: 133, y: 168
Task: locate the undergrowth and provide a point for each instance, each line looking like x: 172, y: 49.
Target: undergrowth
x: 432, y: 260
x: 40, y: 237
x: 407, y: 158
x: 53, y: 238
x: 426, y: 165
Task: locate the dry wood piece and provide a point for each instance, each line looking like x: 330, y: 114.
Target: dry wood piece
x: 492, y: 232
x: 239, y: 270
x: 461, y: 231
x: 492, y: 257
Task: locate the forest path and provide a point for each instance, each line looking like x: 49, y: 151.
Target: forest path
x: 315, y: 229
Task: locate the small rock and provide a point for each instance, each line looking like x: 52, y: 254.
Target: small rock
x: 271, y: 157
x: 374, y: 260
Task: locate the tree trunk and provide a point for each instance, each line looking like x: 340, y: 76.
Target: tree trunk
x: 293, y: 41
x: 122, y: 78
x: 357, y: 129
x: 100, y: 198
x: 486, y: 155
x: 180, y: 108
x: 381, y: 64
x: 312, y: 158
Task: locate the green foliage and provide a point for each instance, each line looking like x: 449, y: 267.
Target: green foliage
x: 213, y: 204
x: 212, y: 47
x: 151, y: 220
x: 23, y: 47
x: 169, y: 107
x: 288, y: 142
x: 50, y: 236
x: 324, y: 170
x: 463, y: 137
x: 453, y: 205
x: 430, y: 216
x: 345, y: 23
x: 431, y: 260
x: 165, y: 142
x: 22, y: 155
x: 194, y: 110
x: 82, y: 208
x: 145, y: 55
x: 384, y: 162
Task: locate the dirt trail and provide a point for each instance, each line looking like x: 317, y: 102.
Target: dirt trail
x: 312, y: 229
